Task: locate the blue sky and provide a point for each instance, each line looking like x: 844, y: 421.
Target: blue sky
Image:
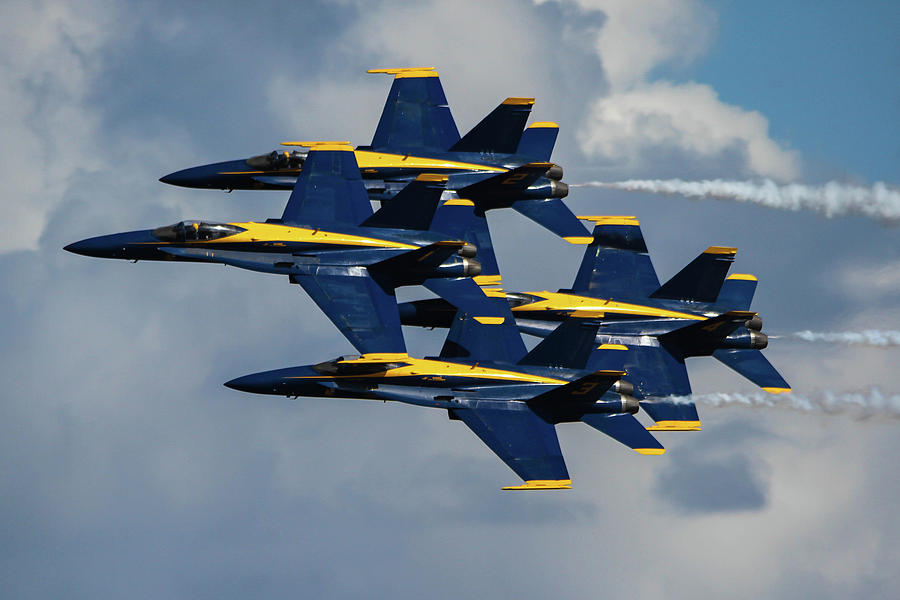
x: 129, y: 470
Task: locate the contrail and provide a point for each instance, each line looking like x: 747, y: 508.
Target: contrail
x: 832, y: 199
x: 867, y: 337
x: 864, y: 405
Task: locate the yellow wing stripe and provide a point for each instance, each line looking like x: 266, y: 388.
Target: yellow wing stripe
x: 675, y: 426
x: 543, y: 484
x: 650, y: 451
x: 488, y: 279
x: 458, y: 202
x: 744, y: 276
x: 544, y: 125
x: 577, y: 239
x: 612, y: 347
x: 614, y: 220
x: 777, y: 390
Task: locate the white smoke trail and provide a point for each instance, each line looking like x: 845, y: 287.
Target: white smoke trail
x: 863, y: 405
x: 832, y: 199
x: 867, y: 337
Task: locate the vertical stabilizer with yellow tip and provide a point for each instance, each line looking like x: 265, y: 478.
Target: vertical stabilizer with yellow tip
x: 416, y: 118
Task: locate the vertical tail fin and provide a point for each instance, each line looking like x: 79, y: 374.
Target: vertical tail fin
x: 655, y: 374
x: 701, y: 280
x: 737, y: 292
x: 464, y: 220
x: 538, y: 140
x: 416, y: 118
x: 569, y: 346
x: 500, y: 131
x: 494, y: 338
x: 616, y: 263
x: 329, y: 188
x: 414, y: 207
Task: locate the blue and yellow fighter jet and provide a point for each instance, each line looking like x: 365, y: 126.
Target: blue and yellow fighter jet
x: 496, y: 164
x: 510, y: 398
x: 698, y: 312
x: 347, y: 258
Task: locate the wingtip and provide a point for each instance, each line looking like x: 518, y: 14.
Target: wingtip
x: 543, y: 484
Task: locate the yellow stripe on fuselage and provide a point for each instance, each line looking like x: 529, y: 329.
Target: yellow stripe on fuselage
x: 417, y: 367
x: 273, y: 233
x: 583, y: 306
x: 382, y: 160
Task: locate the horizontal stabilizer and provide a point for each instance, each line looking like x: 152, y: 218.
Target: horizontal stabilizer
x: 569, y: 346
x: 525, y: 442
x: 587, y: 389
x: 626, y: 429
x: 754, y: 366
x: 553, y: 214
x: 737, y: 292
x: 416, y: 118
x: 500, y: 131
x: 616, y: 263
x: 670, y: 415
x: 701, y: 280
x: 413, y: 207
x: 538, y: 140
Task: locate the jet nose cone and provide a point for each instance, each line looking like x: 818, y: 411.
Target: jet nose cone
x: 183, y: 178
x: 89, y: 247
x: 257, y: 383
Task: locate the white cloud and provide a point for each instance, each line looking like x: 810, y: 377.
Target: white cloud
x: 50, y: 57
x: 630, y: 126
x: 640, y: 120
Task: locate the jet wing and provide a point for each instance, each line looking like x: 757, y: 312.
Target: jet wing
x: 329, y: 188
x: 416, y: 118
x: 364, y: 312
x: 616, y: 264
x: 525, y: 442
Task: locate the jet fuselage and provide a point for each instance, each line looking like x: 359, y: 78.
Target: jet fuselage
x: 273, y: 247
x: 436, y: 383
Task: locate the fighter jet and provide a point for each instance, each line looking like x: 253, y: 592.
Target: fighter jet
x: 698, y: 312
x: 347, y: 258
x: 511, y: 399
x: 496, y: 164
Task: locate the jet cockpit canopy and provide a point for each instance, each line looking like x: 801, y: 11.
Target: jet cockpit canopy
x: 276, y: 160
x: 195, y: 231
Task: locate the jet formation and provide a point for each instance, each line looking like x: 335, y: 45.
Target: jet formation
x: 613, y: 345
